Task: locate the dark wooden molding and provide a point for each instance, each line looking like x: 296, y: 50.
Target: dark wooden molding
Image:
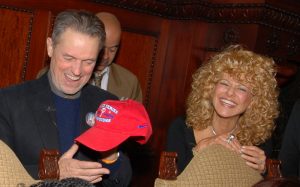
x: 150, y: 75
x: 14, y: 8
x: 281, y: 19
x: 238, y: 13
x: 27, y: 49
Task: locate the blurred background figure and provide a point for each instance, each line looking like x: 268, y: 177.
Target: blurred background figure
x: 109, y: 75
x: 290, y: 148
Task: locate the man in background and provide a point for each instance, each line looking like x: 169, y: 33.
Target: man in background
x: 111, y: 76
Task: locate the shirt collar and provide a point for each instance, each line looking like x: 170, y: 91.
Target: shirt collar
x: 60, y: 93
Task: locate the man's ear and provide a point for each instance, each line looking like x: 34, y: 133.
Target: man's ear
x: 49, y: 47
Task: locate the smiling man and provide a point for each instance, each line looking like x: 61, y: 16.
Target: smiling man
x: 49, y: 113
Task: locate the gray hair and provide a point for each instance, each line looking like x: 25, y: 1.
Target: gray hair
x: 81, y: 21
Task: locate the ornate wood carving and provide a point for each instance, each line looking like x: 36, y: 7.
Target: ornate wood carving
x: 167, y: 166
x: 247, y: 13
x: 273, y: 168
x: 48, y: 164
x: 231, y: 36
x: 27, y: 49
x: 150, y: 75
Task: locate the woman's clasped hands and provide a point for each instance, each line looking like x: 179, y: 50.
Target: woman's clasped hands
x: 253, y: 155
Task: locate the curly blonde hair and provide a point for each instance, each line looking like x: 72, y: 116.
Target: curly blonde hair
x: 256, y: 124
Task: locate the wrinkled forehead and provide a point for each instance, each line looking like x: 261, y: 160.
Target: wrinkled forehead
x: 112, y: 39
x: 71, y: 34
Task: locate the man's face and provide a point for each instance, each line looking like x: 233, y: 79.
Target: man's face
x: 110, y: 49
x: 72, y: 60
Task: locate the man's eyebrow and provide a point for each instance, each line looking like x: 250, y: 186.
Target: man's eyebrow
x: 91, y: 59
x: 66, y: 54
x: 113, y: 46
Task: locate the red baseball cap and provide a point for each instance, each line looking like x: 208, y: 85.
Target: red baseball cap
x: 116, y: 121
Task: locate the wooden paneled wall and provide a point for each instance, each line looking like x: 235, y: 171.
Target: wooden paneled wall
x: 163, y: 43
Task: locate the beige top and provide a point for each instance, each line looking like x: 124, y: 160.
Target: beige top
x: 214, y: 166
x: 12, y: 172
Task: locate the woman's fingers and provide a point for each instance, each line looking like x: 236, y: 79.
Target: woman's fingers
x: 255, y: 157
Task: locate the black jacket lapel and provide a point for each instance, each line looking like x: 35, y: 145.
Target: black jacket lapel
x: 44, y: 111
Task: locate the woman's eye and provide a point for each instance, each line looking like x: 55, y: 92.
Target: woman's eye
x: 223, y: 83
x: 243, y: 89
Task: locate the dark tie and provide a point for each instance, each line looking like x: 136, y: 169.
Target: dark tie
x: 98, y: 79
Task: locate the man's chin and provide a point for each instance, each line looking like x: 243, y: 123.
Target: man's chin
x: 71, y: 91
x: 103, y: 65
x: 100, y: 68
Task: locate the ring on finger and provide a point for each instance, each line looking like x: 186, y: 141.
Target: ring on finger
x: 230, y: 138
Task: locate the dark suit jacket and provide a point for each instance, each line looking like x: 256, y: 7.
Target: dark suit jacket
x: 290, y: 148
x: 28, y: 123
x: 123, y: 83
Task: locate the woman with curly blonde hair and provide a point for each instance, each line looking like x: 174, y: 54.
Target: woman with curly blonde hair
x: 233, y: 102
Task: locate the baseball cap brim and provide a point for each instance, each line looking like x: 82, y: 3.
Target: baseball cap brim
x: 100, y: 139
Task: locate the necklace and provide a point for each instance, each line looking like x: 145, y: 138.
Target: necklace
x: 214, y: 131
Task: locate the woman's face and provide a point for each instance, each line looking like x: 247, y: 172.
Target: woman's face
x: 231, y: 98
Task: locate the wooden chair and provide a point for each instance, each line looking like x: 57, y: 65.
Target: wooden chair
x: 48, y: 167
x: 273, y: 168
x: 168, y: 168
x: 48, y: 164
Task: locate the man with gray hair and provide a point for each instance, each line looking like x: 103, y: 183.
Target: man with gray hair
x: 49, y: 113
